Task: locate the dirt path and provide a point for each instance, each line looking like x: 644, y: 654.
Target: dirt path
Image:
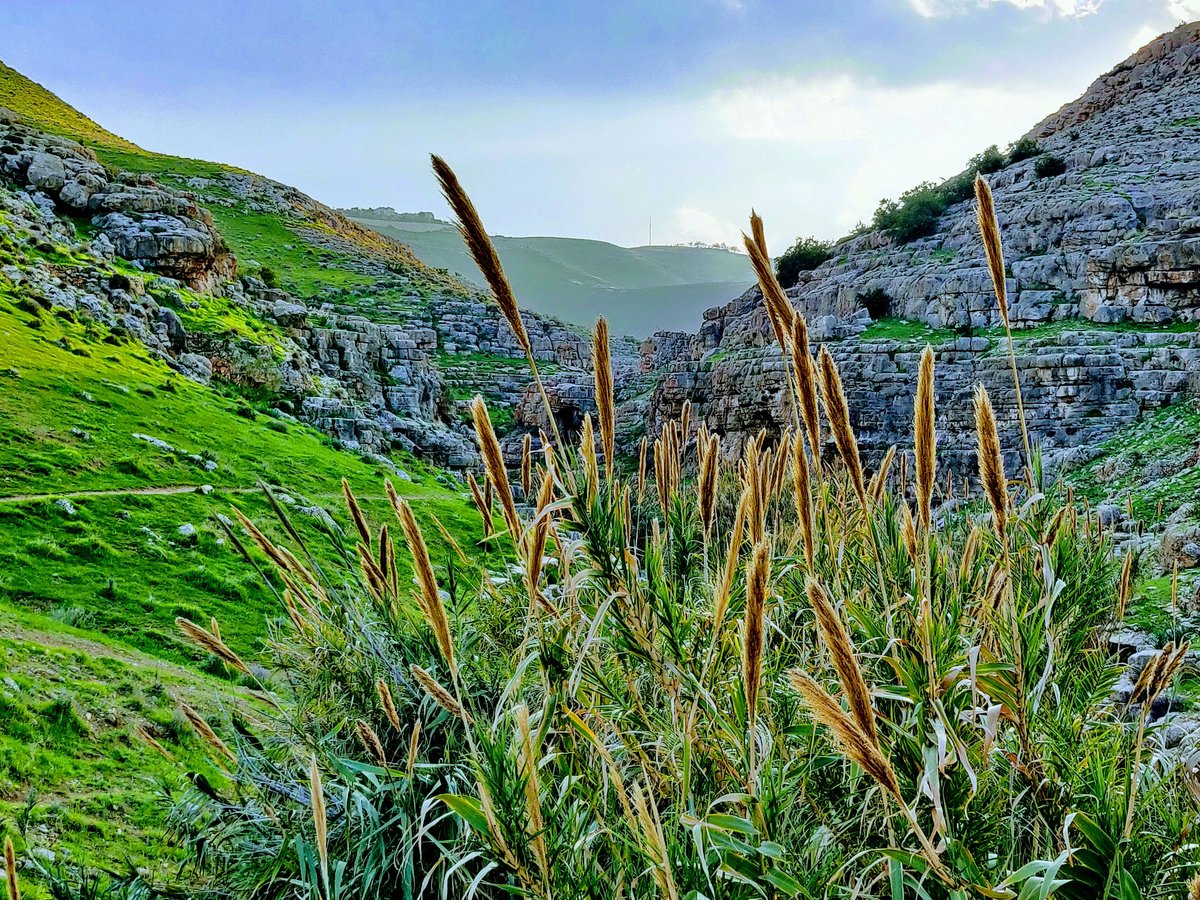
x: 126, y: 492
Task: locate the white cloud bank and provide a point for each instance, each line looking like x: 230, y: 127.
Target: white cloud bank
x: 1069, y: 8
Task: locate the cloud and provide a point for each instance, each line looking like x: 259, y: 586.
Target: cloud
x: 690, y: 223
x: 1186, y: 10
x: 931, y: 9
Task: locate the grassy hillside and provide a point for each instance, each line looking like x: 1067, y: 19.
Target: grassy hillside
x: 113, y: 473
x: 35, y: 102
x: 639, y: 289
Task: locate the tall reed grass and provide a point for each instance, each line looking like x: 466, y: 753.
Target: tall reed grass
x: 778, y: 680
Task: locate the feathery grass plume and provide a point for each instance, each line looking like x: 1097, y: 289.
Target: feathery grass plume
x: 758, y: 572
x: 924, y: 439
x: 211, y: 642
x: 859, y: 749
x: 470, y: 226
x: 1194, y: 888
x: 1125, y: 585
x: 654, y: 843
x: 388, y: 704
x: 414, y: 742
x: 430, y: 598
x: 371, y: 574
x: 645, y: 446
x: 205, y: 731
x: 493, y: 461
x: 879, y: 481
x: 264, y: 543
x: 841, y: 650
x: 838, y: 413
x: 527, y: 464
x: 1050, y: 535
x: 605, y: 402
x: 533, y: 802
x: 802, y: 493
x: 707, y: 486
x: 320, y: 819
x: 356, y: 514
x: 804, y: 370
x: 387, y: 558
x: 10, y: 870
x: 779, y: 308
x: 908, y: 532
x: 440, y: 695
x: 371, y: 743
x: 587, y: 449
x: 685, y: 418
x: 146, y: 736
x: 721, y: 604
x: 855, y: 743
x: 481, y: 504
x: 989, y: 230
x: 991, y: 463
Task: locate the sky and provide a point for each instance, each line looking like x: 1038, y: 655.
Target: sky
x: 584, y: 119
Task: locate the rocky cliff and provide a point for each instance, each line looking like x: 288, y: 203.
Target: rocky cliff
x: 1104, y: 287
x: 364, y: 342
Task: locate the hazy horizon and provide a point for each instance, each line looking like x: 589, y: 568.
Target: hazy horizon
x: 587, y: 122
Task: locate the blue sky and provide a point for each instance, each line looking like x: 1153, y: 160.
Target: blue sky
x: 584, y: 118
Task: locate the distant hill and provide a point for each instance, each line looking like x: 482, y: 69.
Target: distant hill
x: 639, y: 290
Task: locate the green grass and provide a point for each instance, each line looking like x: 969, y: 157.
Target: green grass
x: 1167, y: 436
x: 74, y: 774
x: 33, y: 101
x: 891, y: 329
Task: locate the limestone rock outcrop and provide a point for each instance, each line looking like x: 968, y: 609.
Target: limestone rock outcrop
x: 1103, y: 287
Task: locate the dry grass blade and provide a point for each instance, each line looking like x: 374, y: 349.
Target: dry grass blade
x: 440, y: 695
x: 605, y: 400
x: 493, y: 461
x: 210, y: 642
x: 587, y: 449
x: 356, y: 514
x: 320, y: 819
x: 838, y: 413
x: 879, y: 481
x: 430, y: 597
x: 388, y: 704
x: 991, y: 463
x: 925, y: 438
x: 642, y: 453
x: 470, y: 226
x: 655, y: 843
x: 206, y: 733
x: 841, y: 650
x: 535, y: 548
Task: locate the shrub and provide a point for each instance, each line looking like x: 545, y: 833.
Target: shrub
x: 1050, y: 166
x: 1023, y: 148
x: 989, y: 161
x: 803, y: 256
x: 914, y: 215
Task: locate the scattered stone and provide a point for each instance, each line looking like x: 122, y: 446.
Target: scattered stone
x: 65, y: 505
